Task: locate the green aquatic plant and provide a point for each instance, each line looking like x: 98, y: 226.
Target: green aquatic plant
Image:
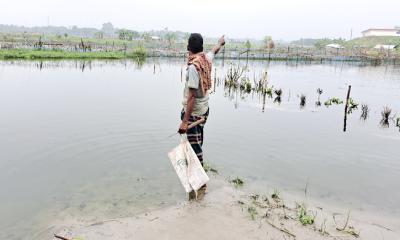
x: 252, y: 212
x: 233, y: 75
x: 245, y: 85
x: 208, y: 168
x: 139, y: 52
x: 254, y: 197
x: 275, y: 195
x: 237, y: 182
x: 262, y: 83
x: 268, y: 91
x: 351, y: 105
x: 334, y: 100
x: 304, y: 217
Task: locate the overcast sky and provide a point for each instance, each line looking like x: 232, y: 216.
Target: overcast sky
x: 282, y: 19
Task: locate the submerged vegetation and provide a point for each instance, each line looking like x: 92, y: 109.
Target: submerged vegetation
x: 208, y: 168
x: 334, y: 100
x: 364, y: 111
x: 386, y: 112
x: 352, y: 105
x: 304, y: 217
x: 237, y: 182
x: 302, y: 100
x: 237, y: 81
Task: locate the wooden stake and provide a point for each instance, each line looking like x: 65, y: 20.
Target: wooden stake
x: 60, y: 237
x: 345, y: 108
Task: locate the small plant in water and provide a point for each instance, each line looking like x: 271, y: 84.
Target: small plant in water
x: 208, y: 168
x: 245, y: 85
x: 268, y: 91
x: 252, y: 212
x: 364, y: 111
x: 334, y: 100
x: 351, y: 105
x: 275, y: 195
x: 386, y: 112
x: 302, y: 100
x: 237, y: 182
x: 278, y: 92
x: 254, y: 197
x: 304, y: 217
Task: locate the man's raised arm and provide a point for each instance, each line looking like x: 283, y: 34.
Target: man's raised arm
x: 221, y: 42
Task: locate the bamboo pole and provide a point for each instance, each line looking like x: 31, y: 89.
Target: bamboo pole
x: 345, y: 109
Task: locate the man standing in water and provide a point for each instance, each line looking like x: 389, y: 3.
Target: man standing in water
x: 196, y: 94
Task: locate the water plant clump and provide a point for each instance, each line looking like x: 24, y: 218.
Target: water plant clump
x: 262, y: 83
x: 386, y: 112
x: 302, y: 100
x: 334, y: 100
x: 275, y: 195
x: 208, y: 168
x: 346, y: 228
x: 237, y: 182
x: 233, y: 75
x: 278, y: 92
x: 268, y: 91
x: 364, y: 111
x: 245, y: 85
x: 304, y: 217
x: 352, y: 105
x: 252, y: 212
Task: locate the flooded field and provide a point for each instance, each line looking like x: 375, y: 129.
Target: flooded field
x: 89, y: 139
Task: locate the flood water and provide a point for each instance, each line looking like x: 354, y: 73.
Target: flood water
x: 88, y: 140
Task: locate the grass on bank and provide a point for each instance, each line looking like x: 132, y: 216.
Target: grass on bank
x: 137, y: 53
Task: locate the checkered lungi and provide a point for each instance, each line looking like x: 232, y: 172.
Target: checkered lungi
x: 195, y: 135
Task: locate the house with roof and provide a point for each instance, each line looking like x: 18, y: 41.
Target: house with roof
x: 392, y: 32
x: 386, y: 46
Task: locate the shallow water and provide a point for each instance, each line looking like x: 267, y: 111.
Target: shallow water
x: 89, y: 140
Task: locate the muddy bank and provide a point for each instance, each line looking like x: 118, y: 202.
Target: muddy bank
x: 229, y: 212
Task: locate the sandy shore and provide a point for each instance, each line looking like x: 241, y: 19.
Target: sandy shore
x: 228, y: 212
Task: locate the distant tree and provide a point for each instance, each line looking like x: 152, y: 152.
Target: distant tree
x: 171, y: 38
x: 268, y: 43
x: 108, y: 29
x: 65, y: 35
x: 125, y: 34
x: 99, y: 35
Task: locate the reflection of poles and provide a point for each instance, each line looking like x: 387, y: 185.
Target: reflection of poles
x: 264, y: 96
x: 215, y: 78
x: 345, y: 109
x: 181, y: 73
x: 223, y: 56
